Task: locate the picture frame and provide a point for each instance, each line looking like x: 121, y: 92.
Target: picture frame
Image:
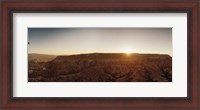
x: 191, y: 7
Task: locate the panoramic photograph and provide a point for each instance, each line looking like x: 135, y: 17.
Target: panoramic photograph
x: 99, y: 54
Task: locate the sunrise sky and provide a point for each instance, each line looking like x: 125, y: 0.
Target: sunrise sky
x: 68, y: 41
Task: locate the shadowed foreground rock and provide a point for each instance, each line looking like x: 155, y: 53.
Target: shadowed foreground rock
x: 103, y: 67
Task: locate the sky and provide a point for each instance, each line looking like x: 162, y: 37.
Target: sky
x: 68, y: 41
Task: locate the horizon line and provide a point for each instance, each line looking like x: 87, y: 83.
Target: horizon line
x: 100, y: 53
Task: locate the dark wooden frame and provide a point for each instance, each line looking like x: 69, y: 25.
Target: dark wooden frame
x: 100, y: 6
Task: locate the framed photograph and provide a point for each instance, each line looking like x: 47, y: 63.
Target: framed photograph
x: 100, y: 54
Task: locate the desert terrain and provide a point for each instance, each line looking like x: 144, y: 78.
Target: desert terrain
x: 100, y: 67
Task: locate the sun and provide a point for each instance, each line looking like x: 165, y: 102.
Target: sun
x: 128, y: 51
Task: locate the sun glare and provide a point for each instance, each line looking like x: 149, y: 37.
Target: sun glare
x: 128, y: 52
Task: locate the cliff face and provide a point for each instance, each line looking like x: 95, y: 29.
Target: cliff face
x: 99, y: 67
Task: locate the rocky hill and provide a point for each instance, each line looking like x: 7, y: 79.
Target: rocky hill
x: 106, y: 67
x: 40, y: 57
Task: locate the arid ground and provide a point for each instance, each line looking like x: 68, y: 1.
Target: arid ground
x: 100, y: 67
